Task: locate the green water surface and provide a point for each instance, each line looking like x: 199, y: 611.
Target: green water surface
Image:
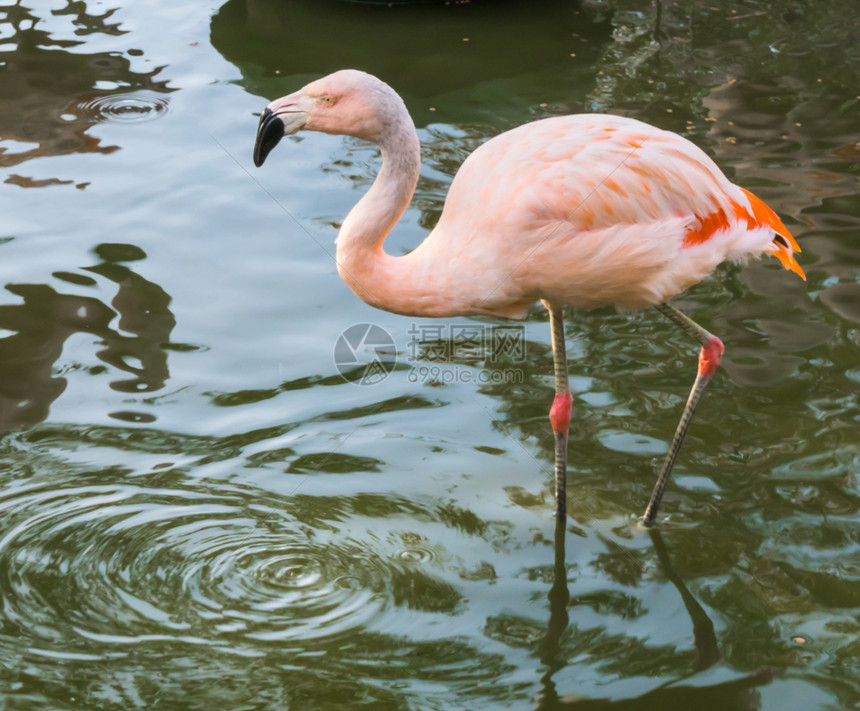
x: 199, y: 510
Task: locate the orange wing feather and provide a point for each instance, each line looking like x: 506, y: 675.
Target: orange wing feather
x: 762, y: 216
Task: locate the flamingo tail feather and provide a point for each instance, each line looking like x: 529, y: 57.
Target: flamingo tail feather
x: 784, y: 244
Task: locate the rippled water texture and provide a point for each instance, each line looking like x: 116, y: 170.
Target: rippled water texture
x: 207, y: 499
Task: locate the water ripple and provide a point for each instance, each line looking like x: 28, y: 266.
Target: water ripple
x: 124, y: 565
x: 125, y: 108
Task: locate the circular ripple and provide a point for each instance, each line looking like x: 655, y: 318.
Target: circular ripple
x: 416, y: 554
x: 124, y: 108
x: 124, y: 565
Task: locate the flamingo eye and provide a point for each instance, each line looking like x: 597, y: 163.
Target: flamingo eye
x: 327, y: 100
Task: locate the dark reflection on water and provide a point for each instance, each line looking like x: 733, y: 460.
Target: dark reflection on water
x: 50, y: 94
x: 143, y: 312
x: 446, y: 60
x: 738, y: 694
x: 46, y: 319
x: 27, y: 358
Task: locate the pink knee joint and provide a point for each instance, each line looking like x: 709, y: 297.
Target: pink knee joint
x: 559, y: 414
x: 711, y: 355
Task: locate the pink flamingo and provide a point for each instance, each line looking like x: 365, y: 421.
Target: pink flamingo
x: 583, y: 211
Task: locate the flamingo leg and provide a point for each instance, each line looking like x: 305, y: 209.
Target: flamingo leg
x: 559, y: 415
x: 709, y: 360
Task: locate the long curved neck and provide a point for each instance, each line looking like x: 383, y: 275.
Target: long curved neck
x: 387, y: 282
x: 361, y: 260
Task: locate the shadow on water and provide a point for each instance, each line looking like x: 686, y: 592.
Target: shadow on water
x: 47, y: 318
x: 734, y: 695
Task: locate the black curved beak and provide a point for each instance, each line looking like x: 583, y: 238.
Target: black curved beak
x: 269, y: 132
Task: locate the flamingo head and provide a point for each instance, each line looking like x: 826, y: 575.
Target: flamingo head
x: 348, y: 102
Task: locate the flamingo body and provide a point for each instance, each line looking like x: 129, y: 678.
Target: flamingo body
x: 591, y: 210
x: 584, y: 210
